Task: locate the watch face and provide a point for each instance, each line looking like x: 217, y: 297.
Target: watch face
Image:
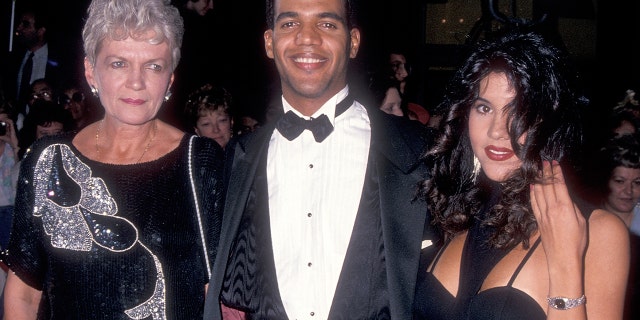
x: 562, y: 303
x: 559, y: 303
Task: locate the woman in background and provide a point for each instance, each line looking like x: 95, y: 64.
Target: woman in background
x: 209, y: 113
x: 45, y: 118
x: 618, y: 183
x: 72, y: 98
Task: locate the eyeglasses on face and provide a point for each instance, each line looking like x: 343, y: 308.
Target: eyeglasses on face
x: 76, y: 97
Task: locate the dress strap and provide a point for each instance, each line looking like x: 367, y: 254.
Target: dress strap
x: 437, y: 257
x: 523, y: 262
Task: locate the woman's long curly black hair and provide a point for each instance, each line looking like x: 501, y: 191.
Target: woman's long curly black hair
x: 546, y: 110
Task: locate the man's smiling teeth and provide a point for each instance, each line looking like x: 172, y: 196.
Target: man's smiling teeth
x: 307, y: 60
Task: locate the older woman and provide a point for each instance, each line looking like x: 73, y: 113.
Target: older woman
x: 517, y: 244
x: 112, y: 223
x: 617, y: 177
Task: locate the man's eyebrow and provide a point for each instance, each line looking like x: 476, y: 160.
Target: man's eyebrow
x: 332, y: 15
x: 286, y: 14
x: 323, y: 15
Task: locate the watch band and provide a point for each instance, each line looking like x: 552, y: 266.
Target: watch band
x: 564, y: 303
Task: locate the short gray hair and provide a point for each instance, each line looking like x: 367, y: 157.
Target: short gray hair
x: 121, y: 19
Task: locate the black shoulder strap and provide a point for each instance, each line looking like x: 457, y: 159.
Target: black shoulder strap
x: 523, y: 262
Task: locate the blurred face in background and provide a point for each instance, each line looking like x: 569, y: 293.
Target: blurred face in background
x: 8, y: 124
x: 73, y: 100
x: 26, y: 32
x: 49, y: 129
x: 247, y: 124
x: 625, y: 128
x: 215, y: 124
x: 392, y: 103
x: 398, y: 64
x: 201, y: 7
x: 40, y: 90
x: 624, y: 190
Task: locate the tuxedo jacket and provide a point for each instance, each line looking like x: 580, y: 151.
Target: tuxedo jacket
x: 393, y: 172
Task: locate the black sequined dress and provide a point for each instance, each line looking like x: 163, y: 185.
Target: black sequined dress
x: 105, y: 241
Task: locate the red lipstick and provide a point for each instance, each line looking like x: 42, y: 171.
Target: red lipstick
x: 498, y: 154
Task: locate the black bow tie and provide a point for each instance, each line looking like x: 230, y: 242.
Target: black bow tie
x: 291, y: 125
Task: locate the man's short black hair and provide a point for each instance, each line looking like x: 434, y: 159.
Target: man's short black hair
x: 350, y: 9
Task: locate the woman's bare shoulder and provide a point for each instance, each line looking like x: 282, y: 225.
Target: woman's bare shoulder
x: 601, y: 218
x: 606, y: 228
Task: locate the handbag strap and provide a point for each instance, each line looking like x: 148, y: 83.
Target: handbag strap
x: 195, y: 199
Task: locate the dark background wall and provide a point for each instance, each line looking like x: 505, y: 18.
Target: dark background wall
x: 238, y: 60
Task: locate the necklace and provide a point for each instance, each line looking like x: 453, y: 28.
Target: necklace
x: 146, y: 148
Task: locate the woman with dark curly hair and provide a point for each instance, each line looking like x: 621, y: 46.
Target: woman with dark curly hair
x: 497, y: 191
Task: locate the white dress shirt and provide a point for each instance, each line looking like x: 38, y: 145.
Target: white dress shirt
x: 40, y: 57
x: 314, y: 194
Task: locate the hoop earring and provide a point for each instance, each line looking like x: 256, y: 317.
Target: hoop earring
x: 476, y: 168
x: 94, y: 91
x: 167, y: 96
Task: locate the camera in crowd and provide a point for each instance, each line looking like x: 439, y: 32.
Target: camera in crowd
x: 3, y: 128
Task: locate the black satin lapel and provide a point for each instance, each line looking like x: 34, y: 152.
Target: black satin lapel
x: 244, y: 164
x: 250, y: 281
x: 362, y: 292
x: 403, y: 220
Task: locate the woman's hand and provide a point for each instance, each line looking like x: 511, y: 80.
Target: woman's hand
x: 562, y: 226
x: 563, y: 230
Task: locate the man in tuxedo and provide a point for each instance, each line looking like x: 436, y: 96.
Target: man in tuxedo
x: 319, y: 220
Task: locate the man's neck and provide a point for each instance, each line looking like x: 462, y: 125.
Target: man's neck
x: 305, y: 105
x: 37, y: 46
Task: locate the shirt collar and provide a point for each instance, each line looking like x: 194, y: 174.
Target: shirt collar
x: 328, y: 108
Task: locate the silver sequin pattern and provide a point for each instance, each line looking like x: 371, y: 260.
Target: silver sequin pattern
x: 71, y: 229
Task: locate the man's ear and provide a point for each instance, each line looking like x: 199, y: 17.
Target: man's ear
x: 355, y: 42
x: 41, y: 32
x: 268, y: 43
